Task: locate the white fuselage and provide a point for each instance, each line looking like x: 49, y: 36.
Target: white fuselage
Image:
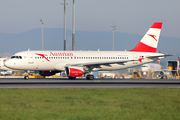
x: 151, y: 67
x: 58, y: 60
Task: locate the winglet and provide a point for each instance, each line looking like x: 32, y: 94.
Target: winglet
x: 150, y: 40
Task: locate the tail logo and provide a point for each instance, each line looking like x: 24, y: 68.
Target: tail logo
x: 140, y: 59
x: 153, y: 36
x: 43, y: 55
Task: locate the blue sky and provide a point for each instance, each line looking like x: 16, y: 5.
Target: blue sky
x: 130, y: 16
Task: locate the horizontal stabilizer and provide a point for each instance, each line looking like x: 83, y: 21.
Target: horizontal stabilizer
x: 155, y: 56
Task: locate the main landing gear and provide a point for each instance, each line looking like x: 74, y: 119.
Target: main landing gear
x: 90, y: 77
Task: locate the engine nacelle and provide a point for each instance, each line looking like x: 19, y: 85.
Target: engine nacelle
x: 74, y: 71
x: 47, y: 73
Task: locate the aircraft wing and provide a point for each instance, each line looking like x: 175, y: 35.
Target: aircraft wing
x: 155, y: 56
x: 106, y: 63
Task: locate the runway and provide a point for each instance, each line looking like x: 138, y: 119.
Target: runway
x: 83, y: 83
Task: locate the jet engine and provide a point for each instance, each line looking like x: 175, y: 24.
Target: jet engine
x: 47, y: 73
x: 74, y: 71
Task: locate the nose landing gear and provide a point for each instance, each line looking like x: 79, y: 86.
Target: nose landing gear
x: 26, y: 77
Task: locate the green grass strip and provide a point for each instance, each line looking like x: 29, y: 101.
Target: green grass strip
x: 90, y: 104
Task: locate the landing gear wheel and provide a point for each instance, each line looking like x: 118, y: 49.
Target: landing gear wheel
x: 26, y: 77
x: 89, y: 77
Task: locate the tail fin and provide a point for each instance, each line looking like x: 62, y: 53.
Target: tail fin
x: 150, y: 40
x: 179, y: 59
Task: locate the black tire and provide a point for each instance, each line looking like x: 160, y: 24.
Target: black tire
x: 90, y: 77
x: 87, y: 77
x: 72, y: 78
x: 26, y: 77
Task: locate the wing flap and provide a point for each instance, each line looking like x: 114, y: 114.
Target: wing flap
x: 105, y: 63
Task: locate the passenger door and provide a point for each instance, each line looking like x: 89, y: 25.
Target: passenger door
x: 135, y: 57
x: 30, y: 58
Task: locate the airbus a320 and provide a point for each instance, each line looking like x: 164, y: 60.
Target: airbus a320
x: 77, y: 63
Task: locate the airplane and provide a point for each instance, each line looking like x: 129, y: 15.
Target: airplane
x: 2, y: 61
x: 77, y: 63
x: 151, y: 67
x: 4, y: 69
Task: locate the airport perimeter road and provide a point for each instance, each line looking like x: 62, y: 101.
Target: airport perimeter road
x: 83, y: 83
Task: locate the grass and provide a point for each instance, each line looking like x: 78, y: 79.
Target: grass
x: 90, y: 104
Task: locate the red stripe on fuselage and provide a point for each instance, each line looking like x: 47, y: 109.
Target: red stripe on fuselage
x: 42, y: 55
x: 157, y: 25
x: 141, y: 47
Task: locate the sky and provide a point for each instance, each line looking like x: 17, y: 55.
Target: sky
x: 130, y: 16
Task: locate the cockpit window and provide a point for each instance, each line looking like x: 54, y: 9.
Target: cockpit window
x: 16, y: 57
x: 12, y: 57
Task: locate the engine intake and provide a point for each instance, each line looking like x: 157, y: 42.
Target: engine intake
x: 74, y: 71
